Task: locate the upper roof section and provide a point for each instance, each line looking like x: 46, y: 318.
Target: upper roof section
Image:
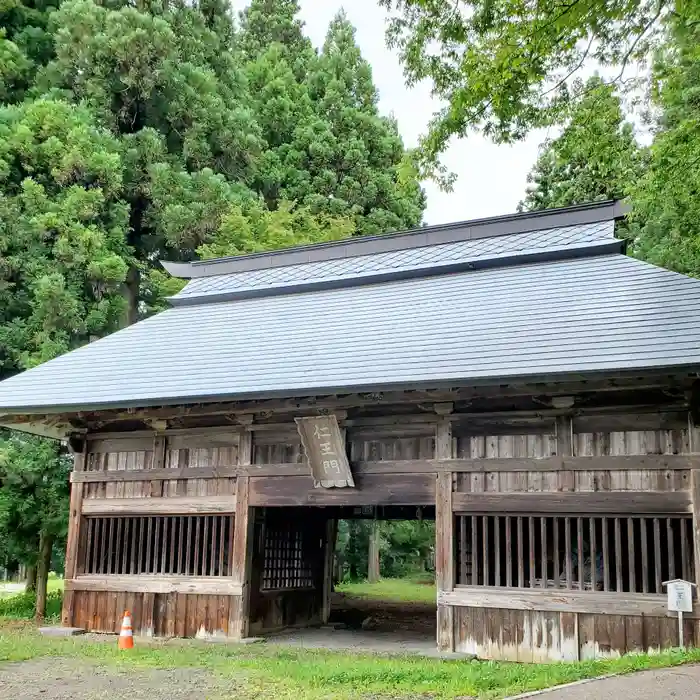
x: 506, y: 240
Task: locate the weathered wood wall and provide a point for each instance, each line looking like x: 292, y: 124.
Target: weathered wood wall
x: 615, y: 463
x: 564, y: 466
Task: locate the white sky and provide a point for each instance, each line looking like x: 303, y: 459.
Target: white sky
x: 491, y: 179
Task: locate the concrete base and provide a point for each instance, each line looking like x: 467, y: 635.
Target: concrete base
x: 61, y: 631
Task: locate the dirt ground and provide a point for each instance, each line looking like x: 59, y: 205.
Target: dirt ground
x: 70, y: 679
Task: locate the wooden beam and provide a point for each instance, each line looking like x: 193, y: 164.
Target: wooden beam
x: 410, y: 466
x: 370, y: 489
x: 557, y: 600
x: 182, y: 505
x: 145, y: 583
x: 583, y: 502
x: 330, y: 538
x: 75, y: 522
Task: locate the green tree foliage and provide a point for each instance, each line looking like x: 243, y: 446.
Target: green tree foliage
x: 350, y: 155
x: 254, y: 229
x: 596, y: 156
x: 25, y: 44
x: 34, y: 491
x: 63, y: 255
x: 666, y: 202
x: 167, y: 86
x: 405, y: 547
x: 503, y: 66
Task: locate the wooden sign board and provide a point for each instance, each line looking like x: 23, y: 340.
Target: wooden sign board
x: 324, y: 450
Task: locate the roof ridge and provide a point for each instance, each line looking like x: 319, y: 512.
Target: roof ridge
x: 489, y: 227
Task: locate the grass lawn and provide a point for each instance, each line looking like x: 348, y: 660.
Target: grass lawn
x: 265, y: 671
x: 393, y: 589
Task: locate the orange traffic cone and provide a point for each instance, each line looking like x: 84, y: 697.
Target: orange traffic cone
x: 126, y: 636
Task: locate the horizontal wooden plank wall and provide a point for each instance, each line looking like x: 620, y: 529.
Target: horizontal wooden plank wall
x: 637, y: 463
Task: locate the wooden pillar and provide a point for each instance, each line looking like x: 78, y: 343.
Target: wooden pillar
x: 244, y: 522
x: 444, y: 530
x: 695, y: 500
x: 75, y: 522
x: 331, y: 536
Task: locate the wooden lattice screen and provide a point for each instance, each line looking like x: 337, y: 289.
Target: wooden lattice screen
x: 606, y: 553
x: 190, y: 545
x: 290, y: 558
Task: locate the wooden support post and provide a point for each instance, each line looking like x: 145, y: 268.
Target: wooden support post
x: 331, y: 536
x: 75, y: 523
x: 695, y: 504
x: 444, y: 531
x: 244, y: 522
x: 373, y: 555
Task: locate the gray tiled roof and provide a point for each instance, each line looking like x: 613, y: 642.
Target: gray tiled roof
x: 433, y: 256
x: 597, y: 314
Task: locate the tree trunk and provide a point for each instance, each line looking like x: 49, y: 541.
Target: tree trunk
x: 30, y: 585
x: 42, y: 574
x: 131, y: 294
x: 373, y: 563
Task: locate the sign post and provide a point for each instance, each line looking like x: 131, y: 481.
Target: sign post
x: 680, y: 600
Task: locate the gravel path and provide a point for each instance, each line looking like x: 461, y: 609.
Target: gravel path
x: 68, y: 679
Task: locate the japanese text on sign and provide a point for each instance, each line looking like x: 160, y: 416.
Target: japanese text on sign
x: 324, y: 450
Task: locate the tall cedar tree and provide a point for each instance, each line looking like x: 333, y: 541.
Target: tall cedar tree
x: 167, y: 86
x: 666, y: 202
x: 350, y: 155
x: 596, y: 157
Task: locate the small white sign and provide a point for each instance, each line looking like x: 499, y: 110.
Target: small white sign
x: 680, y: 595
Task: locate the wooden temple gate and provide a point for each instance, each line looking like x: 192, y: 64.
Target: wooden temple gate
x: 554, y: 528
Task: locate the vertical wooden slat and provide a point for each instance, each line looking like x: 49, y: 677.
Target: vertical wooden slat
x: 485, y: 544
x: 197, y: 545
x: 463, y: 549
x: 148, y: 565
x: 475, y: 551
x: 222, y: 544
x: 509, y: 552
x: 136, y: 536
x: 215, y: 520
x: 205, y: 545
x: 543, y: 550
x: 579, y: 550
x: 140, y: 568
x: 630, y: 554
x: 110, y: 548
x: 531, y: 538
x: 521, y: 554
x: 567, y: 551
x: 156, y: 546
x: 102, y: 554
x: 173, y: 547
x: 606, y: 555
x: 645, y: 554
x: 497, y: 549
x: 163, y: 547
x: 557, y: 556
x: 118, y: 545
x: 670, y: 542
x: 657, y: 556
x: 125, y: 548
x: 618, y: 555
x: 594, y: 554
x: 181, y: 545
x: 75, y: 524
